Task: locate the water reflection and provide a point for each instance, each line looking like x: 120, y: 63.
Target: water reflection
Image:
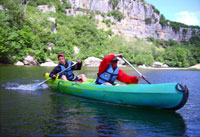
x: 137, y: 121
x: 76, y: 116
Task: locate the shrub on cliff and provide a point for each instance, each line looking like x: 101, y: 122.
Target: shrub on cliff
x: 148, y: 21
x: 114, y: 3
x: 116, y: 14
x: 155, y: 10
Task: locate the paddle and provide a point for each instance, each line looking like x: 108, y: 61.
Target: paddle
x: 135, y: 70
x: 39, y: 84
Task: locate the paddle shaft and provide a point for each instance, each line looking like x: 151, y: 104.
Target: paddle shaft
x: 56, y: 74
x: 135, y: 70
x: 43, y: 82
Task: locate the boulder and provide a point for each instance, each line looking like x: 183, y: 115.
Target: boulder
x: 144, y: 67
x: 49, y: 63
x: 19, y: 63
x: 92, y: 62
x: 157, y: 64
x: 29, y: 60
x: 98, y: 17
x: 197, y: 66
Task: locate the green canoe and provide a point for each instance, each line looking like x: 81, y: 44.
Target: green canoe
x: 166, y: 96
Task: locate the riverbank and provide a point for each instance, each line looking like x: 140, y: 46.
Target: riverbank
x: 195, y: 67
x: 95, y: 62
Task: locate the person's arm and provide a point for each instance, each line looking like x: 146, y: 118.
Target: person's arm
x: 77, y: 66
x: 55, y: 71
x: 105, y: 63
x: 123, y: 77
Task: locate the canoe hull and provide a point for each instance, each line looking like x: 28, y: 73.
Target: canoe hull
x: 165, y: 96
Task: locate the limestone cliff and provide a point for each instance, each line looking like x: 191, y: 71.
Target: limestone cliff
x: 134, y: 24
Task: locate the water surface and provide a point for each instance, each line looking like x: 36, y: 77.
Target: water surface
x: 42, y: 112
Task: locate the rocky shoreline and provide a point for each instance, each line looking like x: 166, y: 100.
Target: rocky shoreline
x: 95, y: 62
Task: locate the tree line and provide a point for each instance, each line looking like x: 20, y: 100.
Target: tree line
x: 24, y: 29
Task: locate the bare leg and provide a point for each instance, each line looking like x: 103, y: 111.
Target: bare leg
x: 107, y: 83
x: 64, y: 78
x: 82, y: 77
x: 120, y: 85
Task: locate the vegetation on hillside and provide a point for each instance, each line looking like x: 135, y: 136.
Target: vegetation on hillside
x: 178, y: 54
x: 116, y: 14
x: 28, y: 31
x: 175, y: 25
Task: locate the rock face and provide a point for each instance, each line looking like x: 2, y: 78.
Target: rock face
x: 53, y: 20
x: 92, y: 62
x: 47, y: 8
x: 133, y: 25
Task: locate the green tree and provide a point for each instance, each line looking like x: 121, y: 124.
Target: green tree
x: 146, y: 59
x: 176, y: 57
x: 195, y: 40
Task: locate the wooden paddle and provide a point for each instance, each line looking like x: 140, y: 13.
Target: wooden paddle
x: 135, y: 70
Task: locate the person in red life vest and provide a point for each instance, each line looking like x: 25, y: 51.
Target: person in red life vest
x: 68, y: 74
x: 109, y: 72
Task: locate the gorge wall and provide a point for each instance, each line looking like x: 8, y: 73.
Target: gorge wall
x: 135, y: 12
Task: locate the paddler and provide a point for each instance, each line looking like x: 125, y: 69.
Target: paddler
x: 109, y: 72
x: 68, y: 74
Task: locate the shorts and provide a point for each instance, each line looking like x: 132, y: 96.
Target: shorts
x: 75, y: 78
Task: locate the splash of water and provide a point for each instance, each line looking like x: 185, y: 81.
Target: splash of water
x: 23, y: 87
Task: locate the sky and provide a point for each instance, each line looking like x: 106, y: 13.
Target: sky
x: 184, y: 11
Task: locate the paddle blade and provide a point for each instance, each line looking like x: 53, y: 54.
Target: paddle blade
x: 36, y: 85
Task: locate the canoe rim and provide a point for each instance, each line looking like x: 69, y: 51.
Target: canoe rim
x: 181, y: 88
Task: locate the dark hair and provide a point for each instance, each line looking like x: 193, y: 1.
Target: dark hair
x: 115, y: 59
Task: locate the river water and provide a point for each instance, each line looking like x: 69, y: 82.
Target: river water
x: 41, y: 112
